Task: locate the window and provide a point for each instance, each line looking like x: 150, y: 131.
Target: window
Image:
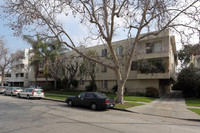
x: 104, y: 84
x: 103, y: 69
x: 154, y: 47
x: 16, y: 75
x: 119, y: 50
x: 134, y: 65
x: 81, y: 95
x: 149, y: 47
x: 89, y: 95
x: 22, y: 66
x: 157, y: 47
x: 104, y: 52
x: 81, y: 82
x: 22, y: 75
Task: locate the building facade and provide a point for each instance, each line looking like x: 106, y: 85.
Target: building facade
x: 154, y: 64
x: 19, y: 70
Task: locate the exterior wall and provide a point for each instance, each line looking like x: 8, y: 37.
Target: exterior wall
x: 20, y: 71
x: 163, y: 49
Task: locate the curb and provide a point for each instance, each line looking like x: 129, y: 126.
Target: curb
x: 125, y: 110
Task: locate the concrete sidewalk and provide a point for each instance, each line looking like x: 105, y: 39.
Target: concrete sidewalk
x: 172, y: 106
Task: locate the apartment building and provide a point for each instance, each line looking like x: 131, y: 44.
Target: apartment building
x: 154, y: 64
x: 19, y: 70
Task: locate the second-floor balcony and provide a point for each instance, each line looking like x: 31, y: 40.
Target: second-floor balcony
x: 162, y: 54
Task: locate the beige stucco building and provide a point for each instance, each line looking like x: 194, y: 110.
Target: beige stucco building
x: 154, y: 64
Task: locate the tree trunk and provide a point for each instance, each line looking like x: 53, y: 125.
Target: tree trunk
x: 120, y: 92
x: 2, y: 79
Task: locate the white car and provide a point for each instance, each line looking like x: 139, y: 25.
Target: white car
x: 12, y: 91
x: 2, y: 89
x: 31, y: 93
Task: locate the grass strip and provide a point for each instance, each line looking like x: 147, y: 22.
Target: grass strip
x: 192, y: 102
x: 55, y: 97
x: 127, y: 105
x: 195, y: 110
x: 126, y: 98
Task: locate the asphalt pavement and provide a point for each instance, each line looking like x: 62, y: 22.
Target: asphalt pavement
x: 44, y: 116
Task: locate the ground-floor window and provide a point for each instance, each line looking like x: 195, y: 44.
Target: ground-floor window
x: 81, y: 82
x: 104, y: 84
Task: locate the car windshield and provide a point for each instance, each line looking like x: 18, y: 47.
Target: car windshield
x: 99, y: 95
x: 38, y: 90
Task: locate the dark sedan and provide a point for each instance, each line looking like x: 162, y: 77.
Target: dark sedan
x: 94, y: 100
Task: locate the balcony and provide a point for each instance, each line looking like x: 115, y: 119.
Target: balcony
x: 153, y: 69
x: 153, y: 55
x: 153, y: 75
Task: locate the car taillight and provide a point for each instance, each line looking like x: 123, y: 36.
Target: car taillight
x: 33, y: 92
x: 43, y: 91
x: 16, y: 91
x: 107, y: 101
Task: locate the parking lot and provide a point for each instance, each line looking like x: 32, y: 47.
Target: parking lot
x: 41, y: 116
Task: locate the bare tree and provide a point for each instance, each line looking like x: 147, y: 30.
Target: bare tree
x: 6, y: 59
x: 65, y: 67
x: 104, y: 19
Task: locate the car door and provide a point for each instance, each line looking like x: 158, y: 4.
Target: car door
x: 79, y: 100
x: 88, y: 99
x: 23, y: 93
x: 9, y: 91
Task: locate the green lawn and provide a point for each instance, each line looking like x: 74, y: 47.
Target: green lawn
x: 127, y: 105
x: 55, y: 97
x: 120, y: 106
x: 139, y: 99
x: 193, y: 102
x: 195, y: 110
x: 126, y: 98
x: 71, y: 93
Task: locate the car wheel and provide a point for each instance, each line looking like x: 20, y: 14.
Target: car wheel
x: 93, y: 106
x: 28, y: 97
x: 5, y: 93
x: 18, y: 95
x: 70, y: 103
x: 11, y: 94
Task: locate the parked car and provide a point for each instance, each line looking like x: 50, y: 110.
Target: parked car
x: 2, y: 89
x: 31, y: 93
x: 94, y: 100
x: 13, y: 91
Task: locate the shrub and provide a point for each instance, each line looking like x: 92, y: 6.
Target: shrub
x: 91, y: 87
x: 189, y: 82
x: 48, y: 87
x: 115, y: 88
x: 152, y: 92
x: 75, y: 83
